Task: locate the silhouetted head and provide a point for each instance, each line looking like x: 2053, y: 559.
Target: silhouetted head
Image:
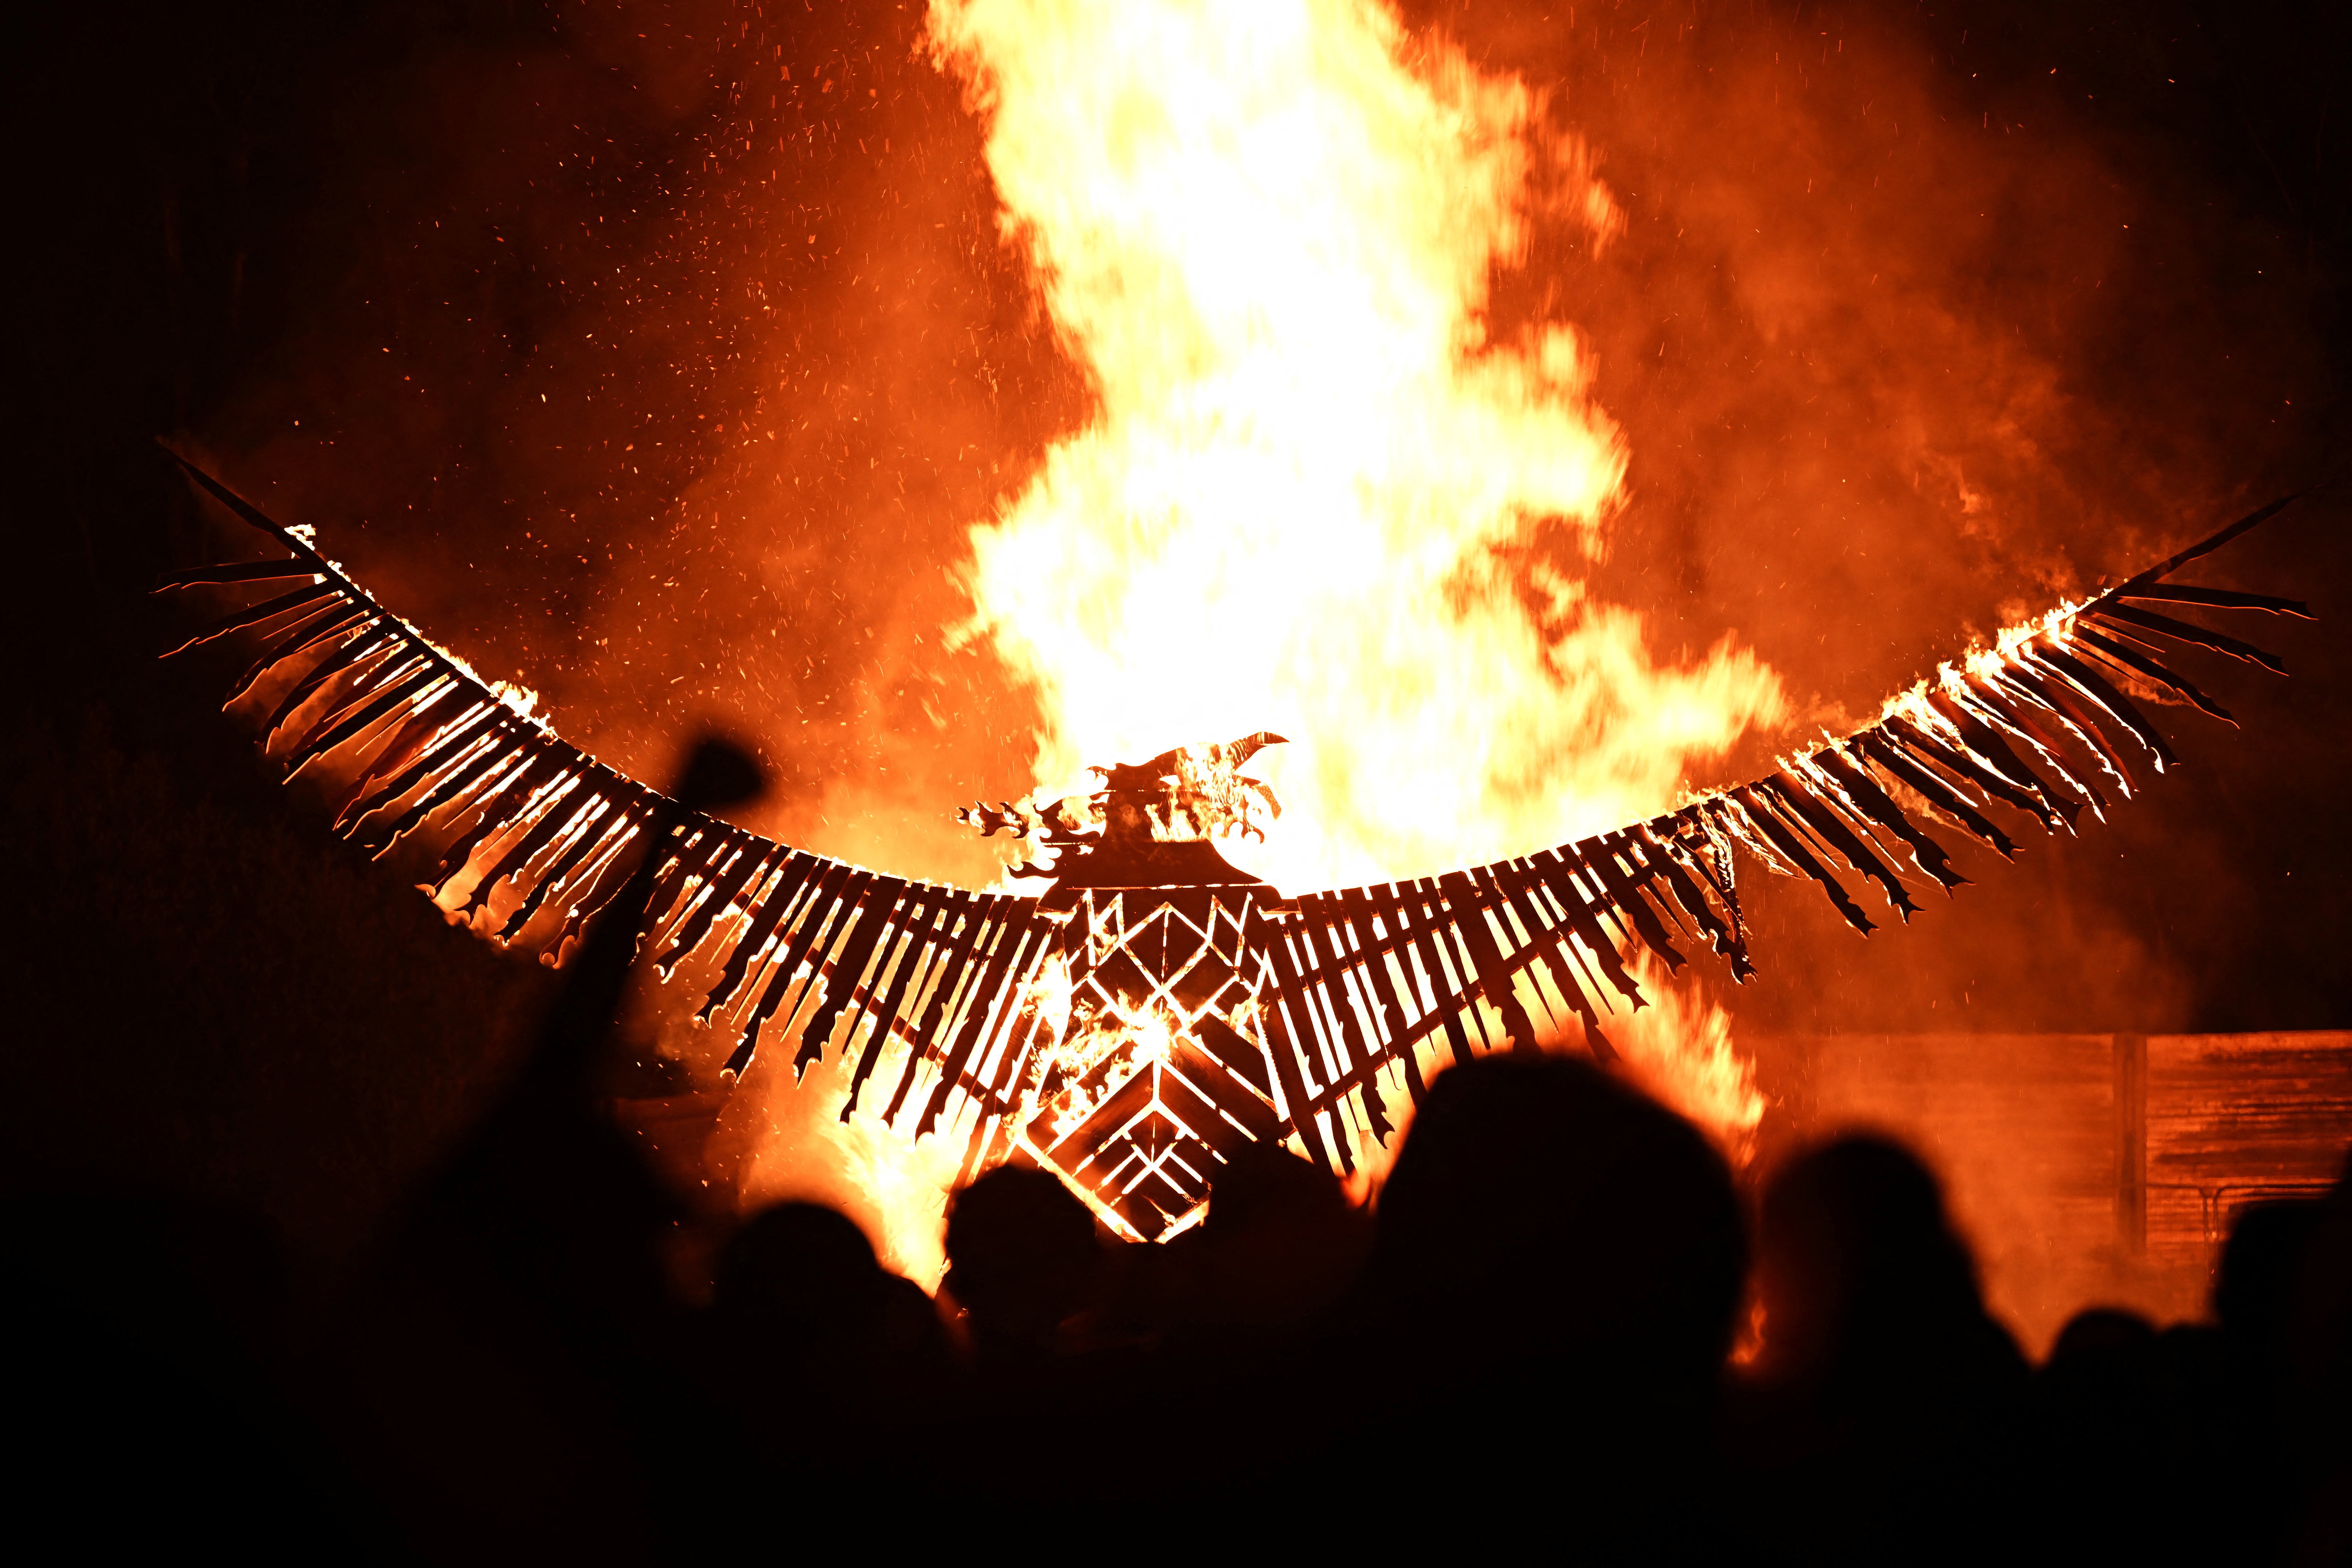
x: 1022, y: 1254
x: 1858, y: 1266
x: 2097, y: 1336
x: 2259, y: 1264
x: 795, y: 1271
x: 1279, y: 1245
x: 1544, y: 1219
x: 1259, y: 1184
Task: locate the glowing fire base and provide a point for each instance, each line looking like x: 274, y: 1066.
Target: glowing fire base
x: 1164, y: 1067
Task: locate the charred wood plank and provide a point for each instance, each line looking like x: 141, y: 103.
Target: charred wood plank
x: 1916, y: 739
x: 882, y: 902
x: 1282, y: 1040
x: 921, y: 938
x: 234, y: 571
x: 1628, y: 898
x: 2205, y: 547
x: 958, y: 975
x: 1390, y: 1016
x: 716, y: 893
x: 1996, y: 707
x: 993, y: 998
x: 405, y: 759
x: 1885, y: 750
x: 781, y: 892
x: 1553, y: 874
x: 321, y: 623
x: 1443, y: 999
x: 1868, y: 800
x: 1758, y: 811
x: 498, y: 749
x: 2031, y: 683
x: 2117, y: 653
x: 2052, y: 658
x: 2214, y: 599
x: 2182, y: 631
x: 269, y: 610
x: 1469, y: 911
x: 1978, y: 740
x: 1792, y: 798
x: 817, y: 913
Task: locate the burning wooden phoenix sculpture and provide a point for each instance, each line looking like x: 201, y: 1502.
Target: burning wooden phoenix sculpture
x: 1156, y: 1007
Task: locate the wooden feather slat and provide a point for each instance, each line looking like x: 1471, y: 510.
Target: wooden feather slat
x: 912, y: 910
x: 500, y: 748
x: 305, y: 598
x: 356, y: 652
x: 922, y: 938
x: 1391, y: 1013
x: 1886, y: 749
x: 1961, y: 762
x: 1552, y: 874
x: 2004, y: 712
x: 1762, y: 817
x: 583, y: 828
x: 1997, y: 768
x: 1468, y: 908
x: 2052, y: 658
x: 983, y: 922
x: 1326, y: 922
x: 1864, y: 796
x: 605, y: 882
x: 331, y: 618
x: 777, y: 899
x: 2109, y: 614
x: 1689, y: 889
x: 1628, y: 900
x: 2117, y: 653
x: 1279, y: 1000
x: 501, y: 799
x: 408, y: 757
x: 883, y: 899
x: 991, y: 998
x: 723, y: 889
x: 811, y: 923
x: 2034, y: 684
x: 1793, y: 800
x: 2214, y: 599
x: 696, y: 848
x: 236, y: 572
x: 547, y: 814
x: 1021, y: 1028
x: 378, y: 696
x: 574, y: 871
x: 1444, y: 998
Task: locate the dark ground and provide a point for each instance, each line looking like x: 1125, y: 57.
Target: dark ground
x: 208, y: 995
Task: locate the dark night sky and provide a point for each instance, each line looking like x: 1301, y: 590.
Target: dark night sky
x: 405, y: 226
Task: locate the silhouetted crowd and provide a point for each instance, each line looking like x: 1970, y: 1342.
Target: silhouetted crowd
x: 1562, y: 1329
x: 1531, y: 1342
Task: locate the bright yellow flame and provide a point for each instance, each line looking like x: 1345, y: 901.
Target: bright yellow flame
x: 1266, y: 228
x: 1680, y: 1049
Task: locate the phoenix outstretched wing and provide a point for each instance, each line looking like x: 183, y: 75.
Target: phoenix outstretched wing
x: 942, y: 983
x: 438, y: 757
x: 2033, y: 725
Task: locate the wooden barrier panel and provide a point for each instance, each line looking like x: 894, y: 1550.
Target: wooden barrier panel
x: 2085, y: 1169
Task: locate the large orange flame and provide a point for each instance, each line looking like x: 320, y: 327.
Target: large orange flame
x: 1315, y: 496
